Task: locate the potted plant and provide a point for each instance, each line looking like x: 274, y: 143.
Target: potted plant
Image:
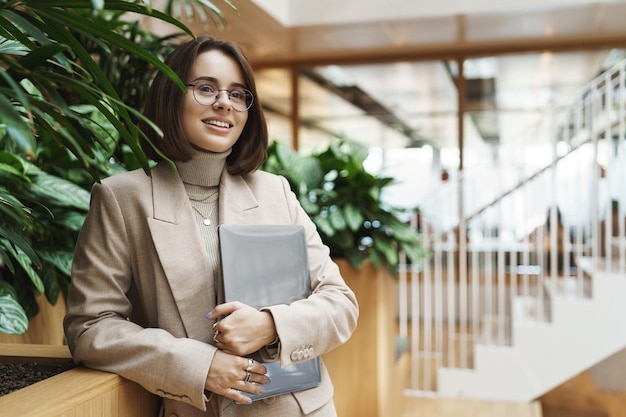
x: 344, y: 201
x: 74, y: 77
x: 68, y: 119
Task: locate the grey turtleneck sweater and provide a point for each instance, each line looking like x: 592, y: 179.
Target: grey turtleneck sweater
x: 201, y: 178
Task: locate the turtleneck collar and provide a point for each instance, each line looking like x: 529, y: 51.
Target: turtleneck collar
x: 203, y: 169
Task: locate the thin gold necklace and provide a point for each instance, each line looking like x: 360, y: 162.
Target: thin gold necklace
x: 205, y: 219
x: 200, y: 198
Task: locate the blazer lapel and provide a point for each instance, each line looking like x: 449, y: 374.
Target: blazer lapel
x: 236, y: 201
x: 175, y: 236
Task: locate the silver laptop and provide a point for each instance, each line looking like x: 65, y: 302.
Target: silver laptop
x: 264, y: 265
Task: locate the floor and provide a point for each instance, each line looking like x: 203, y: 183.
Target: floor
x: 577, y: 397
x: 436, y: 407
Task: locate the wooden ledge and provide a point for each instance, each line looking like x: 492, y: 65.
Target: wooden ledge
x: 76, y: 392
x: 48, y: 354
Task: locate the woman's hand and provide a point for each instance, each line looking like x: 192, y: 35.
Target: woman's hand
x: 243, y: 329
x: 229, y: 375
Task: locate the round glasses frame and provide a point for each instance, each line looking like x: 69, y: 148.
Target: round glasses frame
x: 207, y: 94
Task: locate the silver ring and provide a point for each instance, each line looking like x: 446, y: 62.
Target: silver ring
x: 247, y: 379
x: 250, y: 364
x: 215, y: 334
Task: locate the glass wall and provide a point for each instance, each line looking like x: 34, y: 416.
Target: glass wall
x: 407, y: 115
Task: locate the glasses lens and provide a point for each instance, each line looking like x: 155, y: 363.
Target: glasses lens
x: 240, y: 98
x: 207, y: 94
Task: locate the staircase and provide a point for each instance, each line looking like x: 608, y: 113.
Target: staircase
x: 493, y: 314
x: 543, y: 354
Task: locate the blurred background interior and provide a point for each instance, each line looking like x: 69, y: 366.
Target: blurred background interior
x: 385, y: 74
x: 494, y: 118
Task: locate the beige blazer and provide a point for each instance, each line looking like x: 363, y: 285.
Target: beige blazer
x: 141, y: 287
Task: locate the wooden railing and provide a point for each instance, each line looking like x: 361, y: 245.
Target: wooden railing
x: 488, y: 245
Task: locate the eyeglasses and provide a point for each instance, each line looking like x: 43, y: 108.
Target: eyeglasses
x: 207, y: 94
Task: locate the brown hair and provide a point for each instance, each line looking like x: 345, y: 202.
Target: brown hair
x: 164, y: 106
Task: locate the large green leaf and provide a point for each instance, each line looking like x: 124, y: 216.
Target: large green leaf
x: 60, y: 259
x: 41, y: 55
x: 58, y: 190
x: 16, y: 127
x: 387, y: 250
x: 10, y: 176
x: 27, y: 265
x: 13, y: 319
x: 12, y: 207
x: 72, y: 220
x: 354, y: 217
x: 11, y: 237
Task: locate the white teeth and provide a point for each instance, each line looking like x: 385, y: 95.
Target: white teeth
x: 217, y: 123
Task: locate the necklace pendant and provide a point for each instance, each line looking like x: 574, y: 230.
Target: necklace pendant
x: 207, y: 222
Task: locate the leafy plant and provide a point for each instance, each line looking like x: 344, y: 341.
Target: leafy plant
x: 344, y: 201
x: 72, y: 80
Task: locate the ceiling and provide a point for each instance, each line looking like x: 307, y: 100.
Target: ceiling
x: 384, y: 73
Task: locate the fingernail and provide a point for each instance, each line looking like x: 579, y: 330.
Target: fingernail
x: 208, y: 315
x: 249, y: 401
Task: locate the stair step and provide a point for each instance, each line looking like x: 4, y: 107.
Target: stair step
x: 529, y: 309
x: 495, y: 330
x: 568, y: 286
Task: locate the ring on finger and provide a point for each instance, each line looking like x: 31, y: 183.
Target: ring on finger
x: 247, y: 379
x: 250, y: 364
x: 215, y: 334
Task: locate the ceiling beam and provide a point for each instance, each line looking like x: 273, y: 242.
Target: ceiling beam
x: 441, y: 51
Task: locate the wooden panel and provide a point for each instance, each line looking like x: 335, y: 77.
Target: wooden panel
x: 363, y: 371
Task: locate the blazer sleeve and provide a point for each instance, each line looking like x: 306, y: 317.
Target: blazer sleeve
x: 99, y: 332
x: 328, y: 317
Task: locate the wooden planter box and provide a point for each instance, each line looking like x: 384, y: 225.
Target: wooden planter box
x: 74, y: 393
x: 368, y: 380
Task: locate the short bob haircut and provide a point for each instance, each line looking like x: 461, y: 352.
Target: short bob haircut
x: 164, y: 107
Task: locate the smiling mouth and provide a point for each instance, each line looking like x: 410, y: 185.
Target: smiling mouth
x: 217, y: 123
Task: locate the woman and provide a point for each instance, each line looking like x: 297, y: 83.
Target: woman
x: 146, y: 301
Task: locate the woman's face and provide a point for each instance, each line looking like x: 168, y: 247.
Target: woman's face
x: 215, y: 127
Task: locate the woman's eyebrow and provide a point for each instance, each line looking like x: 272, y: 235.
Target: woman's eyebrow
x: 215, y: 81
x: 205, y: 78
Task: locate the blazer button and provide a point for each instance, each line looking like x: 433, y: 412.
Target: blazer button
x: 269, y: 400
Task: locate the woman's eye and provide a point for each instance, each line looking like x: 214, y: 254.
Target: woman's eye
x: 207, y: 88
x: 237, y: 94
